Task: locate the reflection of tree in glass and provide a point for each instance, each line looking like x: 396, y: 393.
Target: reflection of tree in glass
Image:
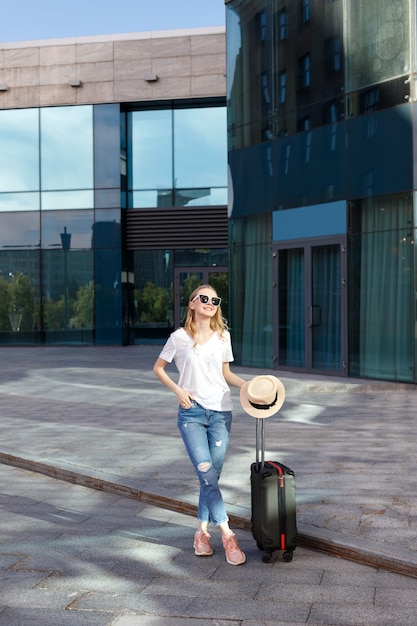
x: 220, y: 282
x: 54, y: 313
x: 189, y: 284
x: 80, y: 310
x: 17, y: 303
x: 84, y: 306
x: 152, y: 303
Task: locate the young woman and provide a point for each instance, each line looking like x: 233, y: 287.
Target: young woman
x: 202, y: 352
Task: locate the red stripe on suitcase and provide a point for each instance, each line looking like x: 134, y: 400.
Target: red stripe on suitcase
x: 281, y: 484
x: 279, y: 470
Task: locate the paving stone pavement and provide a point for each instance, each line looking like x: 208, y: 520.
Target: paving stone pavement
x: 71, y: 555
x: 98, y: 499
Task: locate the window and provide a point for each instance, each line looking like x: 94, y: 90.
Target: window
x: 283, y: 24
x: 265, y: 88
x: 150, y: 167
x: 200, y: 150
x: 304, y: 71
x: 177, y: 157
x: 305, y: 10
x: 333, y: 55
x: 66, y: 148
x: 283, y: 87
x: 370, y: 101
x: 19, y: 160
x: 309, y: 137
x: 263, y: 25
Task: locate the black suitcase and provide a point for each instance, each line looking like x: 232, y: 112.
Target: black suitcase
x: 273, y: 503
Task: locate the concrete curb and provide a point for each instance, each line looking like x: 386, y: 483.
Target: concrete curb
x: 366, y: 552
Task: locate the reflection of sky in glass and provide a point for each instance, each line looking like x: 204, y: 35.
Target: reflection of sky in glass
x: 140, y: 199
x: 52, y: 200
x: 19, y: 150
x: 67, y: 148
x: 19, y: 202
x: 199, y: 141
x: 151, y: 150
x: 200, y: 148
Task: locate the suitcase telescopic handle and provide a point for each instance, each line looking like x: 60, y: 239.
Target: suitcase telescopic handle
x: 260, y: 441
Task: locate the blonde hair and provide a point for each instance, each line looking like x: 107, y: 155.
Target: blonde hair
x: 217, y: 322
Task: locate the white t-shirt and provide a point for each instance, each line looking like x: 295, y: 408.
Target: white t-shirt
x: 200, y: 367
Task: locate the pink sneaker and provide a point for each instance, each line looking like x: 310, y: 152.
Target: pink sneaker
x: 202, y: 545
x: 234, y: 555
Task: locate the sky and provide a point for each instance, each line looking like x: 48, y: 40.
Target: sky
x: 29, y: 20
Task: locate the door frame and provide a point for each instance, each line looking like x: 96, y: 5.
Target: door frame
x: 307, y: 245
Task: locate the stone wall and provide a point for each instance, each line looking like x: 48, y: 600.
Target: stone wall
x: 132, y: 67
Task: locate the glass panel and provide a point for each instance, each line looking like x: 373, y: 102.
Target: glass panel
x: 71, y: 228
x: 150, y: 199
x: 19, y: 150
x: 67, y: 148
x: 68, y: 295
x: 325, y: 312
x: 249, y: 73
x: 107, y: 198
x: 291, y: 307
x: 201, y: 197
x: 200, y: 148
x: 153, y: 294
x: 251, y: 277
x: 107, y: 229
x: 370, y: 139
x: 19, y: 296
x: 108, y: 284
x: 62, y: 200
x: 274, y: 70
x: 107, y: 146
x: 20, y: 230
x: 207, y: 257
x: 381, y: 296
x: 150, y: 150
x: 378, y: 41
x: 19, y: 201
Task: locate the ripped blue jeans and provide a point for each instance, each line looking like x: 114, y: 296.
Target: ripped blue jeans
x: 206, y: 436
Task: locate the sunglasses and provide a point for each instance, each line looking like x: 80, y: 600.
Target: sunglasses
x: 204, y: 299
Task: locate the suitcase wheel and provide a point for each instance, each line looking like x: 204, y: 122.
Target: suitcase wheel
x: 287, y: 556
x: 267, y: 557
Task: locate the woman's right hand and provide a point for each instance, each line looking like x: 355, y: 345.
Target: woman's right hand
x: 184, y: 398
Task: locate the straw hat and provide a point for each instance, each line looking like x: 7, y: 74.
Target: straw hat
x: 262, y: 396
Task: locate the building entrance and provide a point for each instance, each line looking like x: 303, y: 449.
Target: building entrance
x: 188, y: 278
x: 310, y: 306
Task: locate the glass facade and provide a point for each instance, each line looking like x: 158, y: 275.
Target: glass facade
x: 162, y: 281
x: 53, y: 230
x: 177, y: 157
x: 67, y: 174
x: 320, y: 111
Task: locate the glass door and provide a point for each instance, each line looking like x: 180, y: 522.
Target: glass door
x: 188, y: 278
x: 311, y: 306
